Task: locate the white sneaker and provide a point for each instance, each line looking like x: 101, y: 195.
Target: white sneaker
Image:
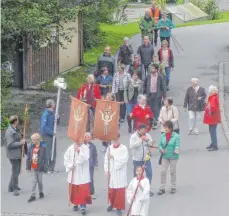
x: 93, y: 196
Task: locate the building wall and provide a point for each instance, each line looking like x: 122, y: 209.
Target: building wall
x: 69, y: 55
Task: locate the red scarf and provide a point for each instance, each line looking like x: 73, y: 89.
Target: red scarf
x: 136, y: 64
x: 168, y: 136
x: 140, y: 178
x: 161, y: 56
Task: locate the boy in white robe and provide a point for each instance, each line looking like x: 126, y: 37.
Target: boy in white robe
x: 115, y: 167
x: 76, y: 162
x: 141, y: 199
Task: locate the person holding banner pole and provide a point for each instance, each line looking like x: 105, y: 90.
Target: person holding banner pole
x: 76, y: 162
x: 115, y: 167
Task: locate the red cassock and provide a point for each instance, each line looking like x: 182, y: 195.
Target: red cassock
x: 117, y: 198
x: 80, y: 194
x: 212, y: 110
x: 85, y: 90
x: 139, y: 114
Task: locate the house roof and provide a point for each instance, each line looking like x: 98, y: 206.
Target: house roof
x: 186, y: 12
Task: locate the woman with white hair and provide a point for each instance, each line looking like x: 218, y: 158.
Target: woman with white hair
x: 195, y: 102
x: 212, y: 116
x: 89, y: 91
x: 142, y: 113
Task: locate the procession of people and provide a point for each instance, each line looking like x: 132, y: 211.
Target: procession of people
x: 132, y: 89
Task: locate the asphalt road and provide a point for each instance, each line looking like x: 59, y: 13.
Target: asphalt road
x: 202, y: 177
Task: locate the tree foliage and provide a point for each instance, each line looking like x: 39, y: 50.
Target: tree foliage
x: 35, y: 20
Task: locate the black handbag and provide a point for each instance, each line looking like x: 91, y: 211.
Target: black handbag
x: 160, y: 159
x: 177, y: 130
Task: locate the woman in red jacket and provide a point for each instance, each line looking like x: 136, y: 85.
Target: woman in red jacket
x: 212, y: 116
x: 142, y: 113
x: 89, y: 91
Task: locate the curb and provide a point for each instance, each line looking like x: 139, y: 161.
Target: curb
x: 221, y: 98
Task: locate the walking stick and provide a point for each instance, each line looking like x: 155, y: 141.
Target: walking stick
x: 136, y: 190
x: 24, y: 134
x: 70, y: 189
x: 177, y: 42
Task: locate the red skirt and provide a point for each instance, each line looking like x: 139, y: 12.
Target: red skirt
x: 117, y: 198
x: 80, y: 194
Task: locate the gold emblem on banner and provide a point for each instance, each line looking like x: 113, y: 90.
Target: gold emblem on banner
x: 78, y: 116
x: 107, y: 117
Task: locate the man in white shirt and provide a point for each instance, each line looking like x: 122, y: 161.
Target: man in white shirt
x: 76, y: 162
x: 115, y: 167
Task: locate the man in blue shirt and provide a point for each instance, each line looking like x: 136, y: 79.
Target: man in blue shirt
x: 47, y: 132
x: 105, y: 81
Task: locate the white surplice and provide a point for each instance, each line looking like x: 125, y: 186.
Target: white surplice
x: 142, y: 199
x: 81, y: 163
x: 118, y: 166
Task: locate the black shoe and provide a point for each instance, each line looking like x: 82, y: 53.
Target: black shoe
x: 41, y: 195
x: 209, y: 147
x: 31, y: 199
x: 75, y: 208
x: 16, y: 193
x: 18, y: 188
x: 167, y: 88
x: 151, y: 193
x: 10, y: 189
x: 173, y: 191
x: 160, y: 192
x: 213, y: 149
x: 83, y: 211
x: 110, y: 208
x: 122, y: 120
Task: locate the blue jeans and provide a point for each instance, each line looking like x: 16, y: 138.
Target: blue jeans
x: 129, y: 107
x: 149, y: 173
x: 167, y: 73
x: 213, y: 135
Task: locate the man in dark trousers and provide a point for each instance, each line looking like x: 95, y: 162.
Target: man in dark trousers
x: 106, y: 60
x: 155, y: 89
x: 125, y: 54
x: 47, y: 132
x: 93, y: 161
x: 14, y: 143
x: 146, y: 52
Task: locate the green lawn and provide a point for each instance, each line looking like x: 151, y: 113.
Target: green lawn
x: 114, y: 35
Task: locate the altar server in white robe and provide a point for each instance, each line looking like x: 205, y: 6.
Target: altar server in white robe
x: 141, y: 199
x: 76, y: 162
x: 116, y: 165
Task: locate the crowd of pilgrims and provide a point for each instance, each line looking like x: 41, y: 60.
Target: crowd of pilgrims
x: 141, y: 85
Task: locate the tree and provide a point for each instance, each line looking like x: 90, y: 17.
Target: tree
x: 36, y: 20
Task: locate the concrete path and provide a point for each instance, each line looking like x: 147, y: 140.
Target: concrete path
x: 202, y: 177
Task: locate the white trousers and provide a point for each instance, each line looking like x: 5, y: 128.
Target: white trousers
x: 194, y: 120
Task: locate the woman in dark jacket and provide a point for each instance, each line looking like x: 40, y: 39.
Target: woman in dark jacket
x: 166, y: 58
x: 212, y: 116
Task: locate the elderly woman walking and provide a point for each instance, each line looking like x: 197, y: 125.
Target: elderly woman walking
x: 135, y: 88
x: 120, y: 85
x: 212, y: 116
x: 169, y: 112
x: 89, y: 92
x: 169, y: 148
x: 142, y: 113
x: 195, y: 101
x: 166, y: 58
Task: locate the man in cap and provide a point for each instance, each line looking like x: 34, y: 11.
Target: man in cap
x: 47, y: 132
x: 14, y: 143
x: 125, y: 54
x: 165, y: 25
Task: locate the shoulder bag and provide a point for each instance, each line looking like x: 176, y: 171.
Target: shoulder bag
x: 160, y: 159
x: 177, y: 130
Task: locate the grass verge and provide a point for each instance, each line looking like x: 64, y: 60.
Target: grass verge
x: 113, y: 36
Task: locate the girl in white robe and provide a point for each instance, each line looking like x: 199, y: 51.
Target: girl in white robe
x: 140, y: 206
